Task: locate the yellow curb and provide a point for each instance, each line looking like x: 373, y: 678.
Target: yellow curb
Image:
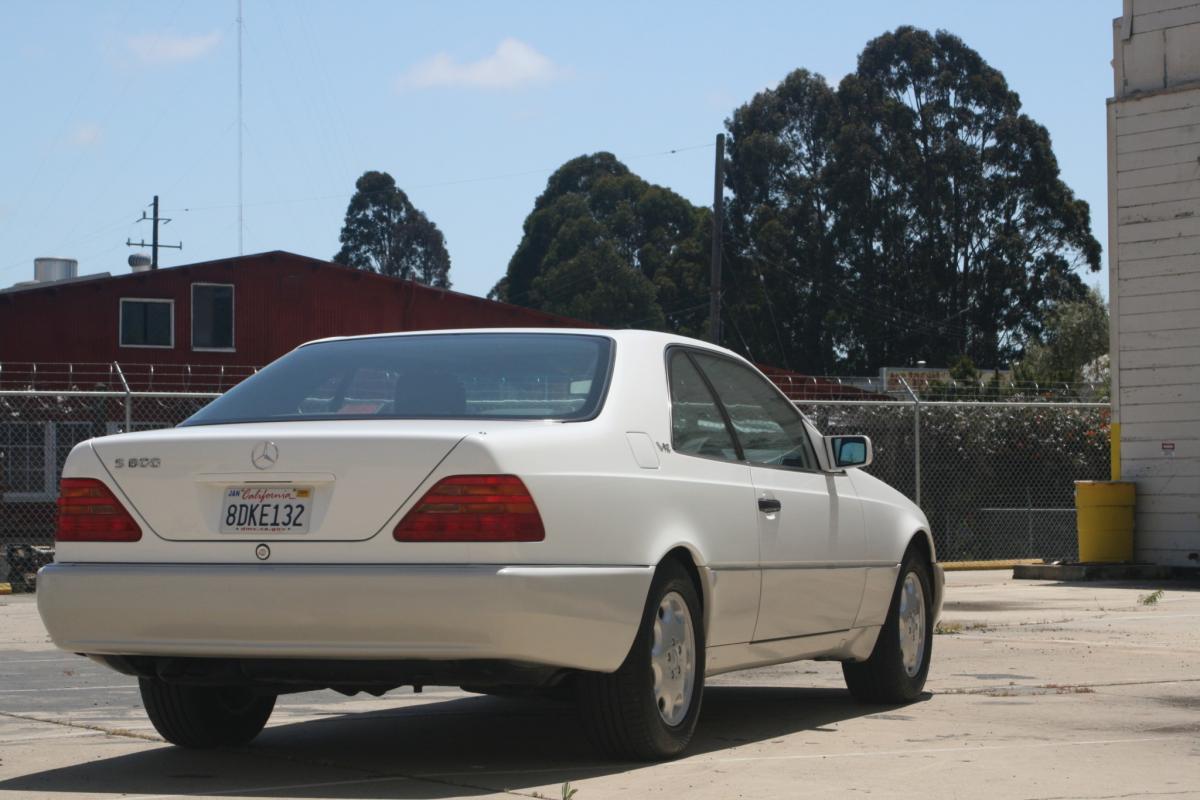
x: 5, y: 588
x: 962, y: 566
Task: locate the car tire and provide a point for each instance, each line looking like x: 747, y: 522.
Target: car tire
x: 647, y: 709
x: 205, y: 716
x: 896, y: 670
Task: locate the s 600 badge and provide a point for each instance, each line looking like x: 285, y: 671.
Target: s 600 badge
x: 137, y: 463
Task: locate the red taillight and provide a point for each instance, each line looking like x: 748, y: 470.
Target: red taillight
x: 473, y: 508
x: 89, y: 512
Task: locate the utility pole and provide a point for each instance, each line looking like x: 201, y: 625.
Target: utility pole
x: 153, y: 245
x: 240, y: 26
x: 718, y: 215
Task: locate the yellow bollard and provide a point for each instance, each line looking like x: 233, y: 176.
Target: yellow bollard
x: 1114, y: 450
x: 1104, y: 520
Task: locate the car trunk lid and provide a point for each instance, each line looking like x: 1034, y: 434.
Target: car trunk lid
x: 349, y: 476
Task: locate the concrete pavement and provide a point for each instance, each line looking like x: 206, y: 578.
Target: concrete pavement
x: 1038, y: 690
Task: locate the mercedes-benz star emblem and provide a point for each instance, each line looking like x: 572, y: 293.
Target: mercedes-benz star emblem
x: 264, y: 455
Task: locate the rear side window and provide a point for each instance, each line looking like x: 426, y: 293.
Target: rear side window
x: 769, y: 428
x: 436, y: 376
x: 697, y: 427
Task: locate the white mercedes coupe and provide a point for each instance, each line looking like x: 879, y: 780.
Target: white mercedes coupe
x: 615, y: 514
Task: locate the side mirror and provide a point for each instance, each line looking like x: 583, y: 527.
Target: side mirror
x: 849, y: 451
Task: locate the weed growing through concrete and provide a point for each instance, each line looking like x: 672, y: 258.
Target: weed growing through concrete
x: 567, y: 791
x: 1150, y: 599
x: 1013, y: 690
x: 948, y: 628
x: 1068, y: 688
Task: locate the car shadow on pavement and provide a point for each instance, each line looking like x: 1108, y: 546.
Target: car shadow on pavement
x: 456, y: 747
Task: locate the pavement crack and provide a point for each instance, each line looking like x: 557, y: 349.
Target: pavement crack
x: 1181, y: 792
x: 83, y: 726
x: 1064, y: 688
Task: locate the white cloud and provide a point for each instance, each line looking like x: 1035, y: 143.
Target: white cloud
x: 86, y: 134
x: 721, y: 100
x: 165, y: 48
x: 514, y: 64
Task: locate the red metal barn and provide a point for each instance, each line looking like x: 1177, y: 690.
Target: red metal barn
x: 236, y: 311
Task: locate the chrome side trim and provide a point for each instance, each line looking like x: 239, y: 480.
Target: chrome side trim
x: 740, y: 565
x: 803, y: 636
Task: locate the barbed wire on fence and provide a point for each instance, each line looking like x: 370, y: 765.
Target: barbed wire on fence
x: 121, y: 376
x: 802, y: 388
x: 893, y: 385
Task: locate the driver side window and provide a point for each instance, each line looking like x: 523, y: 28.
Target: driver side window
x: 769, y: 428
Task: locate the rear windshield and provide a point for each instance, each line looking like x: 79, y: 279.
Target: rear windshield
x: 438, y: 376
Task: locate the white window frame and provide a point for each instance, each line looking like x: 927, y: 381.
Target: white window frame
x: 121, y: 323
x: 49, y: 451
x: 232, y: 319
x: 50, y: 472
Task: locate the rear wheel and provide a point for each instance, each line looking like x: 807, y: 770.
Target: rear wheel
x: 205, y: 716
x: 648, y: 708
x: 896, y: 671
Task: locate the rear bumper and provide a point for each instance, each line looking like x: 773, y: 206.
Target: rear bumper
x: 573, y: 617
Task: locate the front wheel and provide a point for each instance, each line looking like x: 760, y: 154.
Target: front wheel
x: 648, y: 708
x: 205, y: 716
x: 896, y: 671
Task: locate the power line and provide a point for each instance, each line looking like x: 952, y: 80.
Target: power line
x: 672, y: 312
x: 105, y: 185
x: 920, y: 321
x: 458, y: 182
x: 332, y: 107
x: 48, y: 143
x: 124, y: 222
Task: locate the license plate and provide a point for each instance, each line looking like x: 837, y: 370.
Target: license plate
x: 266, y: 509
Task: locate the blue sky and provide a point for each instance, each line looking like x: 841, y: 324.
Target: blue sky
x: 469, y: 105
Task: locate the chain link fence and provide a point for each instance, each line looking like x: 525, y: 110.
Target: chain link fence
x: 995, y: 478
x: 38, y: 428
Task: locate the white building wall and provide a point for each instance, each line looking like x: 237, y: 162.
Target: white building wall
x: 1154, y: 263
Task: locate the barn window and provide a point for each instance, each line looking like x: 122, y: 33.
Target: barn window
x: 26, y: 465
x: 212, y: 316
x: 147, y: 322
x: 32, y: 455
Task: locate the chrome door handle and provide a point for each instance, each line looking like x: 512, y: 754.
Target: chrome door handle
x: 769, y: 505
